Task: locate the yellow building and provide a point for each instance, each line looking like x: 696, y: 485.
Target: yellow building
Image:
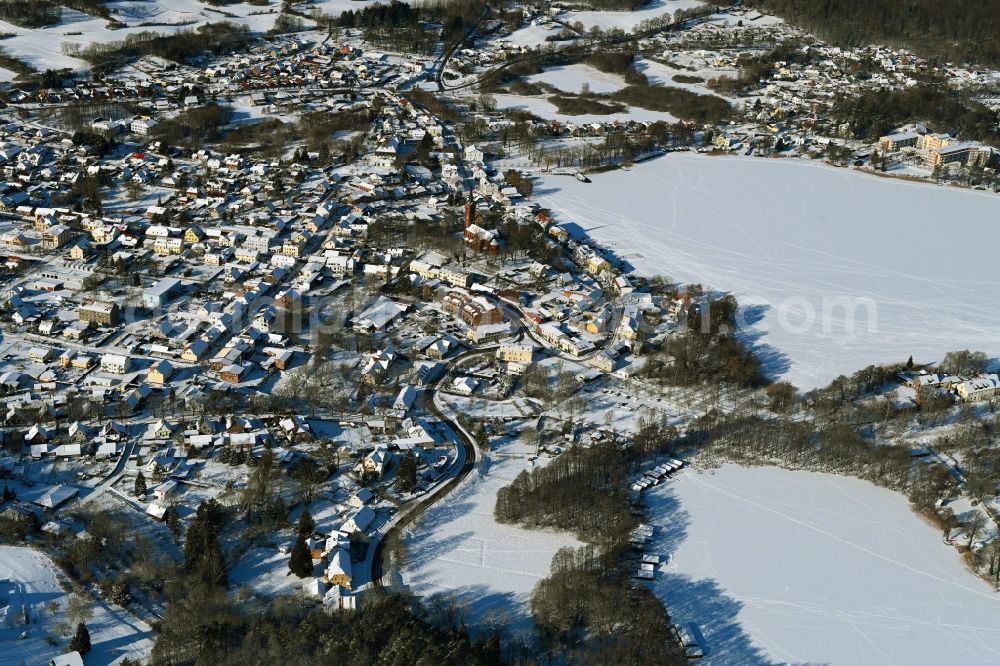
x: 513, y: 352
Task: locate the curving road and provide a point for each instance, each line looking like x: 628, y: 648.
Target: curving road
x: 464, y: 440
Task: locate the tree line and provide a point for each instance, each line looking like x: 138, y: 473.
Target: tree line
x: 215, y: 38
x: 205, y: 626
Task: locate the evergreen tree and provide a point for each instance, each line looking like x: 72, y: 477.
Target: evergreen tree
x: 81, y: 641
x: 306, y: 523
x: 174, y: 522
x: 202, y: 554
x: 212, y: 567
x: 406, y: 480
x: 909, y: 363
x: 300, y: 562
x: 140, y: 485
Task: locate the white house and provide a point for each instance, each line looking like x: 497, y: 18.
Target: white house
x: 359, y: 521
x: 142, y: 126
x: 115, y: 363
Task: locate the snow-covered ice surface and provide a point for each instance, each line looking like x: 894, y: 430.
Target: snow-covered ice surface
x: 28, y: 580
x: 808, y: 250
x: 795, y: 567
x: 458, y: 552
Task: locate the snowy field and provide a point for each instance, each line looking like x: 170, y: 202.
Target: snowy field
x: 533, y: 35
x: 836, y: 269
x: 42, y: 48
x: 543, y: 108
x: 338, y: 7
x: 30, y: 581
x: 794, y: 567
x: 662, y: 75
x: 628, y: 20
x: 457, y: 552
x: 570, y: 78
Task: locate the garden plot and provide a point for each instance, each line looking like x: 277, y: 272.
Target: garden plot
x: 772, y: 566
x: 835, y: 269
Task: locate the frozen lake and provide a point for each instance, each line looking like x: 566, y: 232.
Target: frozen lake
x: 777, y: 566
x: 458, y: 553
x: 840, y: 269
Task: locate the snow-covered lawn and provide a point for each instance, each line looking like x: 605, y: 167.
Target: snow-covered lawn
x: 458, y: 552
x: 773, y: 565
x: 265, y: 571
x: 29, y: 580
x: 837, y: 269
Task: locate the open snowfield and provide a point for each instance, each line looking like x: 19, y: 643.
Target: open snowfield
x: 458, y: 552
x: 662, y: 75
x: 570, y: 78
x: 628, y: 20
x: 835, y: 269
x: 795, y: 567
x: 533, y: 35
x: 28, y: 579
x: 42, y: 48
x: 543, y: 108
x: 338, y: 7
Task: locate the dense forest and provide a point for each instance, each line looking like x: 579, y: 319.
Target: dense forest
x: 33, y: 14
x: 708, y: 350
x: 205, y: 625
x: 875, y: 113
x: 583, y: 490
x: 417, y: 28
x: 587, y: 609
x: 966, y: 31
x: 193, y: 126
